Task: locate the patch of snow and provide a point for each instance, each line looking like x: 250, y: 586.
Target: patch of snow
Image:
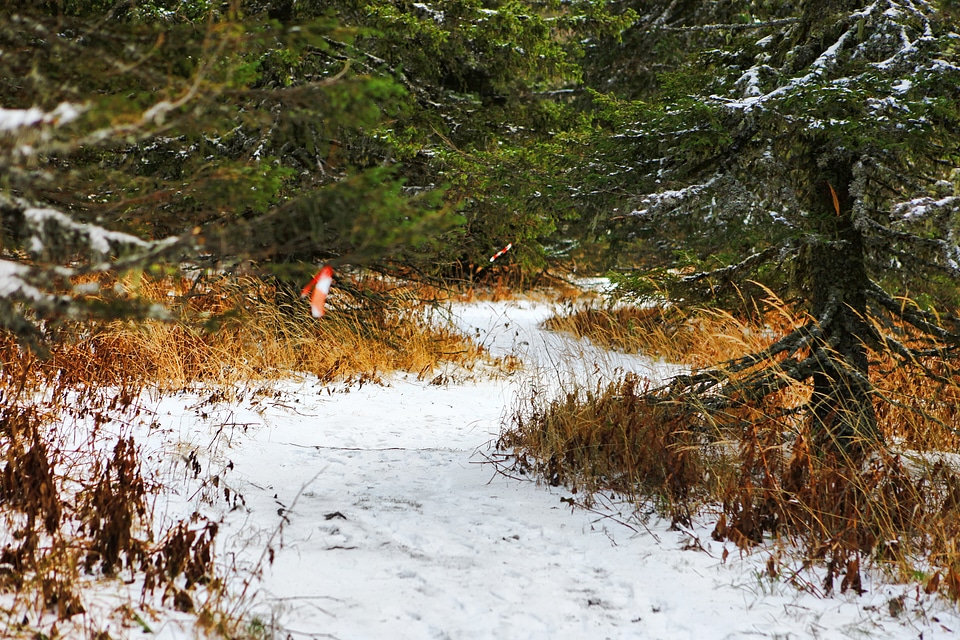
x: 368, y: 512
x: 903, y: 86
x: 919, y: 207
x: 672, y: 197
x: 601, y: 285
x: 14, y: 119
x: 764, y: 42
x: 12, y: 283
x: 865, y: 12
x: 437, y: 15
x: 98, y: 238
x: 749, y: 83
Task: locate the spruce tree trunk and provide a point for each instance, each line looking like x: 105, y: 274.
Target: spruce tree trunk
x: 843, y: 412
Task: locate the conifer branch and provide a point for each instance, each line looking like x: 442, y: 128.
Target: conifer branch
x: 726, y: 275
x: 924, y: 321
x: 734, y: 26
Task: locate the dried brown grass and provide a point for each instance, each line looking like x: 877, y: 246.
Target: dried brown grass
x: 764, y: 465
x: 698, y: 338
x: 612, y: 438
x: 75, y: 502
x: 72, y: 514
x: 231, y: 330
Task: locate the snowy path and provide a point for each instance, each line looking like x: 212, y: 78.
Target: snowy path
x: 383, y: 522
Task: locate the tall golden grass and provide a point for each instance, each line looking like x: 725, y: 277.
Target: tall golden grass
x: 71, y: 511
x: 760, y: 467
x: 230, y: 330
x: 698, y: 337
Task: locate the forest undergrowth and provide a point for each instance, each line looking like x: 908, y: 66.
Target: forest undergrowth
x: 76, y: 501
x: 761, y: 470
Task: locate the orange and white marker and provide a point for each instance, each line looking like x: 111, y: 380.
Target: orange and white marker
x: 494, y: 257
x: 321, y: 287
x: 502, y: 251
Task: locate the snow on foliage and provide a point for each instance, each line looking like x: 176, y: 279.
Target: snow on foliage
x: 904, y: 24
x: 655, y: 202
x: 63, y: 249
x: 866, y: 77
x: 15, y: 119
x: 920, y: 207
x: 829, y: 123
x: 44, y: 222
x: 12, y: 283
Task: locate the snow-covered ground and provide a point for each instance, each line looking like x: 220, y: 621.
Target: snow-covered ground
x: 371, y: 512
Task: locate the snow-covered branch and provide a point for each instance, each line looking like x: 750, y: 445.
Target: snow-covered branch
x: 666, y: 200
x: 889, y: 32
x: 12, y: 120
x: 720, y: 278
x: 47, y: 233
x: 817, y: 70
x: 736, y: 26
x: 61, y: 249
x: 945, y: 250
x: 925, y: 206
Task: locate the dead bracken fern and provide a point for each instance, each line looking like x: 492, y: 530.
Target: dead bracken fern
x: 75, y: 515
x: 75, y: 500
x: 898, y: 510
x: 775, y: 476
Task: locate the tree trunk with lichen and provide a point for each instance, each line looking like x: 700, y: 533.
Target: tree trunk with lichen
x: 842, y: 405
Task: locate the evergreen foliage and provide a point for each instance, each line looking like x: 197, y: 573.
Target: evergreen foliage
x: 812, y: 149
x: 808, y: 148
x: 346, y: 132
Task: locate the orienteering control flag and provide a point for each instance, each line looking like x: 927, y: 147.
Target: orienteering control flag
x: 502, y: 251
x: 322, y: 280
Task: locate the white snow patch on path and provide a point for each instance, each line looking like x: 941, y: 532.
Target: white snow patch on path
x: 385, y: 523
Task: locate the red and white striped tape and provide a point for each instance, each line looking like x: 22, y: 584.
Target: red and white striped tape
x: 321, y: 287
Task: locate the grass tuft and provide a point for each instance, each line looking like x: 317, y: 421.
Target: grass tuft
x: 611, y: 438
x: 699, y: 338
x: 762, y: 468
x: 76, y: 505
x: 233, y: 330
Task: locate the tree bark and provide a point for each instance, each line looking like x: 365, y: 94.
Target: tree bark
x: 843, y: 414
